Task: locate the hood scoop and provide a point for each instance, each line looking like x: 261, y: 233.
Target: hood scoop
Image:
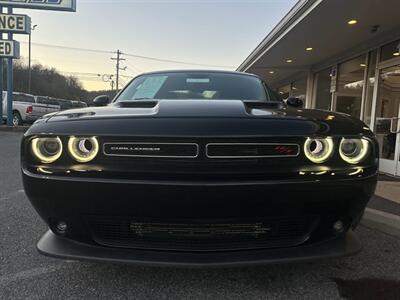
x: 263, y: 105
x: 136, y: 104
x: 264, y: 109
x: 189, y: 108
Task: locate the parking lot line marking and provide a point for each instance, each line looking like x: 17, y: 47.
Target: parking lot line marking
x: 7, y: 279
x: 10, y: 195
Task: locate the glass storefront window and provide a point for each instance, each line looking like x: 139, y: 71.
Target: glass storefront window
x: 388, y: 103
x: 299, y: 89
x: 323, y: 93
x: 284, y: 91
x: 350, y: 86
x: 390, y: 51
x: 370, y: 87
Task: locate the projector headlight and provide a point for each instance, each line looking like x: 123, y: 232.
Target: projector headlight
x: 318, y: 150
x: 47, y: 150
x: 83, y: 149
x: 354, y: 151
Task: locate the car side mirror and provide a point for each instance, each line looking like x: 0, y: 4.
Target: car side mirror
x: 295, y: 102
x: 103, y: 100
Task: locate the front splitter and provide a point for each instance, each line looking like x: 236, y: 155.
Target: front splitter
x: 58, y: 247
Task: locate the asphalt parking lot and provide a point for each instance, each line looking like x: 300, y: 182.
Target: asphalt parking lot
x: 373, y: 274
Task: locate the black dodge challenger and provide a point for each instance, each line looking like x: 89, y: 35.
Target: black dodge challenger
x: 199, y: 168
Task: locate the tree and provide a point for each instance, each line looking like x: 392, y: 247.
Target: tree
x: 47, y: 82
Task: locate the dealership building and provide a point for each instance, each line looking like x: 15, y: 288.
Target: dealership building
x: 340, y: 55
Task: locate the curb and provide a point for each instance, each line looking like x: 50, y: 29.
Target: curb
x: 13, y: 129
x: 382, y: 221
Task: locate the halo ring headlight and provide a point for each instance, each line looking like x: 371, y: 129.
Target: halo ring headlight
x: 354, y: 151
x: 318, y: 150
x: 47, y: 149
x: 83, y: 149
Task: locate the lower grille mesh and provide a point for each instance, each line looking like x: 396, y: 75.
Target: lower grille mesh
x: 200, y: 236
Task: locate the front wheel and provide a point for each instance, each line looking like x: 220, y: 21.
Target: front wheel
x: 17, y: 120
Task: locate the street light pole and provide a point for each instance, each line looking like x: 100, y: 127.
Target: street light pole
x: 30, y: 59
x: 108, y: 78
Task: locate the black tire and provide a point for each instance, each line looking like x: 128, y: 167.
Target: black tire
x: 17, y: 120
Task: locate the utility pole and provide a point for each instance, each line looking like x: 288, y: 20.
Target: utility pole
x: 30, y: 59
x: 118, y: 59
x: 10, y: 82
x: 1, y: 81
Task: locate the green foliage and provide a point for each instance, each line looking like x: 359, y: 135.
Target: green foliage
x: 47, y: 82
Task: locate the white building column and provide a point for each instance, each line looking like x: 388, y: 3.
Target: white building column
x: 310, y: 90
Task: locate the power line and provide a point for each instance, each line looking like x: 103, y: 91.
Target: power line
x: 93, y: 74
x: 135, y: 69
x: 130, y: 69
x: 177, y: 61
x: 69, y: 48
x: 131, y: 55
x: 80, y: 73
x: 123, y: 81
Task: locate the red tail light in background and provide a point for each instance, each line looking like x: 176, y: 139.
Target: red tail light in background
x: 29, y: 109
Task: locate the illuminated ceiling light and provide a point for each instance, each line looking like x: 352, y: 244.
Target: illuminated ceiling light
x: 396, y: 53
x: 352, y: 22
x: 309, y: 49
x: 363, y: 65
x: 289, y: 61
x: 271, y: 72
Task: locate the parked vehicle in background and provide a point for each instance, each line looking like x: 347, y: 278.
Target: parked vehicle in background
x: 65, y: 104
x: 79, y: 104
x: 27, y: 108
x: 69, y: 104
x: 48, y: 105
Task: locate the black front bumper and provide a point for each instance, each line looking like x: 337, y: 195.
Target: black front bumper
x: 72, y: 200
x: 58, y: 247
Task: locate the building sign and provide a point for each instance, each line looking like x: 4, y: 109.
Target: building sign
x: 15, y: 23
x: 9, y: 49
x: 66, y: 5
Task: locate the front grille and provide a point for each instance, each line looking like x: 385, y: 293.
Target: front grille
x: 252, y: 150
x: 226, y: 235
x: 161, y: 150
x: 200, y: 158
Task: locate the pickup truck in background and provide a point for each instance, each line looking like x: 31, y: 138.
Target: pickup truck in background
x: 69, y: 104
x: 28, y: 108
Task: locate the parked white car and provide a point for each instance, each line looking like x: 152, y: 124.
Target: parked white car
x: 28, y: 108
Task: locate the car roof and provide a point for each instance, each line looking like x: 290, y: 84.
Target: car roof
x: 202, y: 71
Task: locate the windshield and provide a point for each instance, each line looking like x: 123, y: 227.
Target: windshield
x: 200, y: 85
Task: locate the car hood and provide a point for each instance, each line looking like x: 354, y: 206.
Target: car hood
x: 195, y: 109
x: 220, y: 113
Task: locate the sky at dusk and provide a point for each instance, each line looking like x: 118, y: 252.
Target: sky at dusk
x: 203, y: 32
